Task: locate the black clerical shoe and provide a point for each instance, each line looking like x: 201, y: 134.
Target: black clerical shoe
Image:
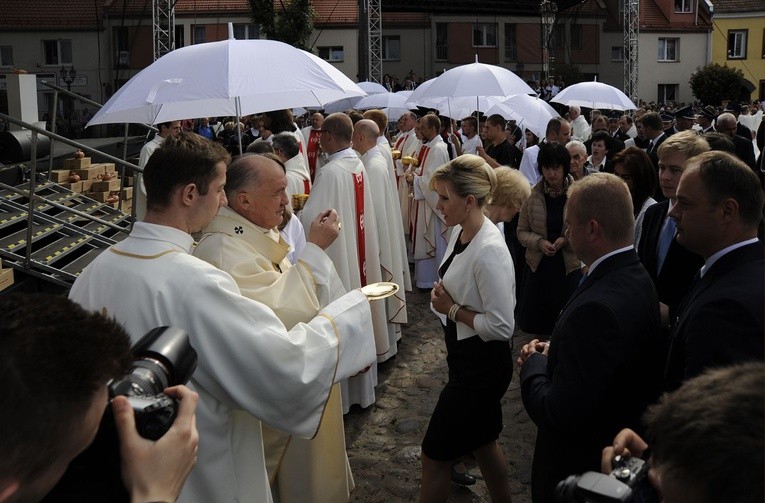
x: 462, y: 478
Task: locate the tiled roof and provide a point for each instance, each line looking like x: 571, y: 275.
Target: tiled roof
x: 652, y: 16
x: 48, y: 15
x: 731, y: 6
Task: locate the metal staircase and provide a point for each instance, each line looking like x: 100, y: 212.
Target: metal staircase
x: 66, y: 232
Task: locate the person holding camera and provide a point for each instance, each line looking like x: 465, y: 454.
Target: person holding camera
x: 705, y: 438
x: 55, y: 361
x: 251, y: 368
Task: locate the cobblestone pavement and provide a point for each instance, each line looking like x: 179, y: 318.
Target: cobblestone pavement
x: 383, y: 441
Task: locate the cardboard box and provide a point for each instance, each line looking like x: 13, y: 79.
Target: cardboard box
x: 87, y: 185
x: 73, y: 163
x: 109, y: 167
x: 6, y: 278
x: 59, y: 175
x: 101, y: 185
x: 101, y: 197
x: 127, y: 193
x: 129, y: 181
x: 73, y: 186
x: 90, y: 173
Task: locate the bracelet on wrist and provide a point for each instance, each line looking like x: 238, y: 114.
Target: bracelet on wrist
x: 453, y: 312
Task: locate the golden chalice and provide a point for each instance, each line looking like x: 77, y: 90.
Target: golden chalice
x: 298, y: 201
x: 396, y: 154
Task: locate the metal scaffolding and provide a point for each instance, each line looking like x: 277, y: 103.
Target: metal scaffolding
x: 163, y: 27
x: 374, y: 41
x: 548, y: 11
x: 631, y: 32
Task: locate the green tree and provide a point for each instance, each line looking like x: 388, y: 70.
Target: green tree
x: 289, y: 21
x: 713, y: 83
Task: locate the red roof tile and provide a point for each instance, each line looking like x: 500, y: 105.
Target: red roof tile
x: 41, y: 15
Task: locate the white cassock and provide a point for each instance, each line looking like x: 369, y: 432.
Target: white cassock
x: 294, y: 234
x: 342, y: 184
x: 393, y: 262
x: 309, y: 470
x: 408, y: 144
x: 384, y: 147
x: 140, y: 189
x: 298, y: 177
x: 250, y: 367
x: 429, y: 234
x: 529, y: 164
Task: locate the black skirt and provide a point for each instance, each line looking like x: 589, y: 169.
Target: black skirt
x: 468, y: 414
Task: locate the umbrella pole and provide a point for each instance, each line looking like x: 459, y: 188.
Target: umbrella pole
x: 238, y: 121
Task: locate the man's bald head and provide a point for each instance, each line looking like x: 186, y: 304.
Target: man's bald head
x: 246, y: 172
x: 380, y: 119
x: 340, y: 126
x: 365, y: 133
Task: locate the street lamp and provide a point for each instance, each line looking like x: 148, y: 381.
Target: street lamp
x: 67, y: 77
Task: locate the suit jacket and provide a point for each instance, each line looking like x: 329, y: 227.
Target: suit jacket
x: 619, y: 135
x: 681, y: 265
x: 652, y: 151
x: 721, y: 320
x: 602, y: 371
x: 745, y: 151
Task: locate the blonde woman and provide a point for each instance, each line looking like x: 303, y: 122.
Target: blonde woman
x: 474, y: 299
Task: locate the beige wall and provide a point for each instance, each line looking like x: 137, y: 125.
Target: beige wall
x: 345, y: 38
x: 692, y: 52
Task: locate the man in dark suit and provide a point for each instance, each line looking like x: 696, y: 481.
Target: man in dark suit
x: 735, y: 109
x: 604, y: 361
x: 720, y: 322
x: 652, y: 128
x: 726, y: 124
x: 670, y: 265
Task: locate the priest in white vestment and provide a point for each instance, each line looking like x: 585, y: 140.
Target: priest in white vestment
x: 393, y: 262
x: 408, y: 145
x: 343, y: 184
x: 243, y: 241
x: 286, y: 147
x: 251, y: 368
x: 312, y: 150
x: 429, y: 234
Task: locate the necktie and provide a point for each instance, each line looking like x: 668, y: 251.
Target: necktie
x: 650, y: 146
x: 665, y: 240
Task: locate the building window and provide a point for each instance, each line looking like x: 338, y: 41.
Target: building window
x: 683, y: 5
x: 243, y: 31
x: 668, y: 49
x: 57, y: 52
x: 737, y: 44
x: 391, y: 48
x: 511, y: 42
x: 576, y: 36
x: 180, y: 36
x: 617, y: 53
x: 334, y: 53
x: 484, y: 35
x: 199, y: 35
x: 442, y: 41
x: 6, y: 55
x: 667, y: 93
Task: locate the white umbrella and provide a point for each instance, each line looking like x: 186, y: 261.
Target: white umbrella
x: 227, y: 78
x: 370, y: 88
x: 594, y: 95
x: 529, y: 112
x: 475, y: 80
x: 393, y: 104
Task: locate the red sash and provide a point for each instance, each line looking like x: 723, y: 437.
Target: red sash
x: 424, y: 151
x: 306, y: 187
x: 401, y: 140
x: 358, y: 185
x: 313, y: 149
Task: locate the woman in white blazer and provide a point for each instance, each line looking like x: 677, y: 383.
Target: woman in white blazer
x: 474, y: 300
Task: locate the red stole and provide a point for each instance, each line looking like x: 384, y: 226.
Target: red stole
x: 358, y: 185
x: 400, y: 141
x: 421, y: 157
x: 313, y: 151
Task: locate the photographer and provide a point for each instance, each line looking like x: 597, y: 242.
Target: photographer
x: 55, y: 362
x: 706, y: 439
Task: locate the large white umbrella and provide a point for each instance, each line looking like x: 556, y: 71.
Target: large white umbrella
x: 594, y: 95
x: 529, y: 112
x: 227, y: 78
x: 341, y: 105
x: 475, y: 80
x: 393, y: 104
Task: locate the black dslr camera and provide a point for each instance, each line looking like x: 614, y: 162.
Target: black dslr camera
x: 163, y: 358
x: 626, y: 483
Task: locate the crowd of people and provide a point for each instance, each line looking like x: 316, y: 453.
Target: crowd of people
x: 630, y: 248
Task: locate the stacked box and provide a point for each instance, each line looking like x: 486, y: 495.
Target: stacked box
x: 74, y: 163
x: 127, y: 193
x: 59, y: 175
x: 86, y: 185
x: 101, y: 197
x: 90, y: 172
x: 109, y: 167
x: 104, y: 185
x: 6, y: 278
x: 73, y: 186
